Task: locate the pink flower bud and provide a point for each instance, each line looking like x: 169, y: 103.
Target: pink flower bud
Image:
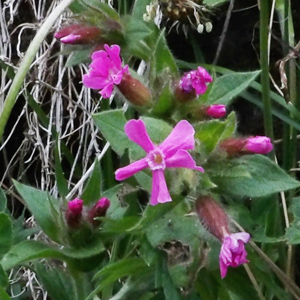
x: 259, y: 144
x: 78, y: 34
x: 98, y: 210
x: 73, y: 212
x: 216, y: 111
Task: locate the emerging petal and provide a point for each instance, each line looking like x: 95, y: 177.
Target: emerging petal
x: 160, y: 192
x: 233, y: 251
x: 181, y: 137
x: 259, y: 144
x: 128, y: 171
x: 182, y: 159
x: 136, y: 131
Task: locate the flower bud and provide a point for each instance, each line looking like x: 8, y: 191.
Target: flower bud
x: 216, y: 111
x: 78, y: 34
x: 98, y: 210
x: 73, y: 213
x: 134, y: 91
x: 257, y: 144
x: 212, y: 216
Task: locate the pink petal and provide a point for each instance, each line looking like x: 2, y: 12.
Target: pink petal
x: 223, y: 268
x: 243, y: 236
x: 128, y: 171
x: 182, y: 159
x: 107, y: 90
x: 94, y: 82
x: 70, y: 39
x: 205, y: 76
x: 199, y: 86
x: 181, y: 137
x: 160, y: 192
x: 136, y: 131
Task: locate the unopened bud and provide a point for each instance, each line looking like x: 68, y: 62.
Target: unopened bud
x: 98, y: 210
x: 216, y: 111
x: 212, y: 216
x: 134, y: 91
x: 257, y: 144
x: 78, y: 34
x: 73, y: 213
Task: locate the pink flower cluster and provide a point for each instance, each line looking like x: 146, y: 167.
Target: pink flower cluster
x: 74, y: 212
x: 171, y: 153
x: 105, y: 70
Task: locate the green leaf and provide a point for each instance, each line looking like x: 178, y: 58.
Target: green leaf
x: 3, y: 200
x: 3, y: 278
x: 27, y: 251
x: 44, y: 208
x: 111, y: 124
x: 58, y: 283
x: 226, y: 87
x: 251, y: 176
x: 62, y: 183
x: 78, y: 57
x: 165, y: 104
x: 6, y: 233
x: 92, y: 191
x: 214, y: 2
x: 137, y: 34
x: 112, y: 272
x: 212, y: 132
x: 3, y: 294
x: 162, y: 58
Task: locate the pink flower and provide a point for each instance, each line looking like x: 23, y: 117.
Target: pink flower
x: 105, y: 70
x: 233, y: 251
x: 195, y: 80
x: 171, y: 153
x: 216, y: 111
x: 259, y: 144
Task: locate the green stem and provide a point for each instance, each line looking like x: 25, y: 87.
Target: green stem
x: 79, y: 282
x: 26, y: 62
x: 264, y: 62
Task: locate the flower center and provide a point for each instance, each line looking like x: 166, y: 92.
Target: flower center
x: 155, y: 160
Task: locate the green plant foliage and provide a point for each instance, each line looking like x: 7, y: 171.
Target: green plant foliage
x: 245, y: 176
x: 45, y: 209
x: 3, y: 200
x: 226, y: 87
x: 59, y: 284
x: 6, y: 233
x: 211, y: 133
x: 93, y: 189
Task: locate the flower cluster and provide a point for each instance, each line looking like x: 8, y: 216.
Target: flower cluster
x: 74, y: 214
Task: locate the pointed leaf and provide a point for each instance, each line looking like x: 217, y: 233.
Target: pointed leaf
x: 3, y: 200
x: 226, y: 87
x: 251, y: 176
x: 92, y: 191
x: 44, y: 208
